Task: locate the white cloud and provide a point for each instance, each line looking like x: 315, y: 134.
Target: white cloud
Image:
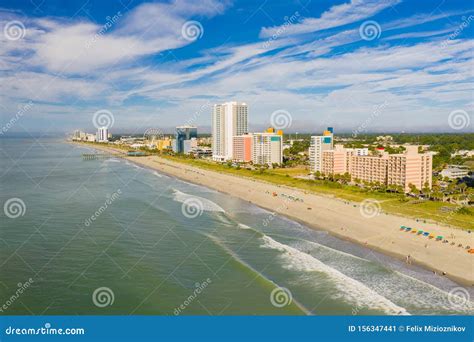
x: 338, y: 15
x: 56, y: 63
x: 83, y: 47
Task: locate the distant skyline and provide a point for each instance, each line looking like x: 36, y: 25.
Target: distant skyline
x: 360, y: 65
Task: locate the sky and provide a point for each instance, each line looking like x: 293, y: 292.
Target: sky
x: 357, y: 65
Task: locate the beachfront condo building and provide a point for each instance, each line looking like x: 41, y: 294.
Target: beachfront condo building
x: 410, y: 168
x: 242, y: 146
x: 83, y: 136
x: 267, y: 147
x: 335, y: 161
x: 404, y: 169
x: 190, y: 145
x: 183, y: 134
x: 78, y: 135
x: 103, y: 134
x: 339, y: 159
x: 90, y: 137
x: 163, y: 144
x: 371, y: 168
x: 319, y: 144
x: 228, y: 120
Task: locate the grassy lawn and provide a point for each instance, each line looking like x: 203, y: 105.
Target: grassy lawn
x: 392, y: 203
x: 292, y: 171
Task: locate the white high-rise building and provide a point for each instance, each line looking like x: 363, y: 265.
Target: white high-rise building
x: 103, y: 134
x: 319, y: 144
x: 228, y: 120
x: 267, y: 148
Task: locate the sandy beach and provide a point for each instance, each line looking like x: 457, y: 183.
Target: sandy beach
x: 341, y: 218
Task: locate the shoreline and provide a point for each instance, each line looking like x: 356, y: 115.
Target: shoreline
x: 380, y: 233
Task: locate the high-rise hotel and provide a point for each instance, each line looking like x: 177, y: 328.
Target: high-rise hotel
x: 319, y: 144
x: 259, y: 148
x: 102, y: 134
x: 184, y: 137
x: 267, y: 147
x: 228, y: 120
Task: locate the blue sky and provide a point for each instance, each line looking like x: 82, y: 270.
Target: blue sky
x: 365, y: 65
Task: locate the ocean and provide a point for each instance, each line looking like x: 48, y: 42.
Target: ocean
x: 108, y: 237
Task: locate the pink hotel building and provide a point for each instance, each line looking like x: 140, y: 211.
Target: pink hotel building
x: 402, y: 169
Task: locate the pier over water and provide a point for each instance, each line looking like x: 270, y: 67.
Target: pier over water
x: 97, y: 156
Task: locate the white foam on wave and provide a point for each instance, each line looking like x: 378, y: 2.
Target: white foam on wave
x: 157, y: 174
x: 113, y: 160
x: 426, y: 295
x: 207, y: 205
x: 133, y: 164
x: 395, y: 285
x: 352, y: 290
x: 329, y: 249
x: 244, y: 226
